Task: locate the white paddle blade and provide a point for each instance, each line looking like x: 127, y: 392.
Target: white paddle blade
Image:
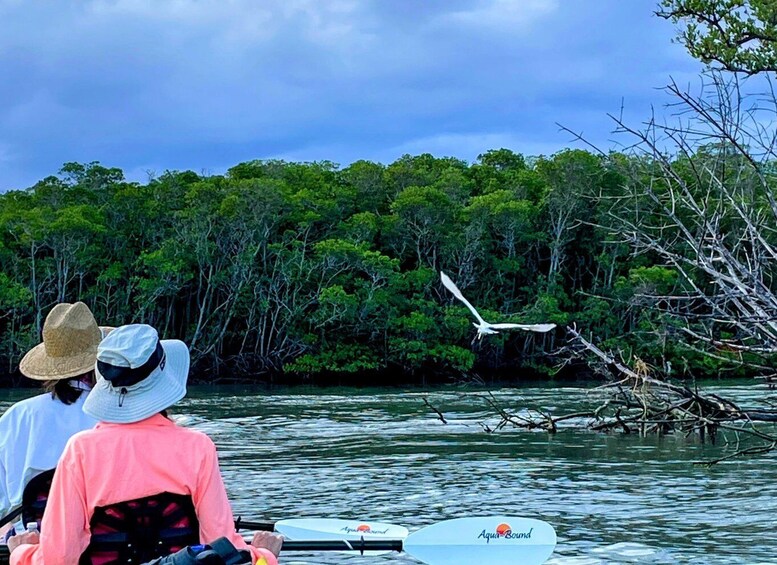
x: 337, y: 529
x: 496, y: 540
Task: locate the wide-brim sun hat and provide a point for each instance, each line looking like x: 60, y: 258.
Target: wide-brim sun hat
x: 70, y: 339
x: 138, y: 375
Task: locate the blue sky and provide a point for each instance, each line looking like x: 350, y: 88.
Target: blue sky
x: 152, y: 85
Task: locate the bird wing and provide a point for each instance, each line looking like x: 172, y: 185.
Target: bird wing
x: 528, y: 327
x: 449, y: 284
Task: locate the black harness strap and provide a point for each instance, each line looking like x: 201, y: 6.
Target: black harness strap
x: 7, y: 518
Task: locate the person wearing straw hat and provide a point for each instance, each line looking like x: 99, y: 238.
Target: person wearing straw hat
x: 34, y: 432
x: 135, y: 452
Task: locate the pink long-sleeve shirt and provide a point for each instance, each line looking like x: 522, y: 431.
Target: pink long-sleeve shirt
x: 117, y: 462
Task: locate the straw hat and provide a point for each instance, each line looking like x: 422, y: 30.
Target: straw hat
x: 70, y: 339
x: 138, y: 375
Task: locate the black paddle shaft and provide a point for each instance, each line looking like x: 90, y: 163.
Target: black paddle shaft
x: 5, y: 519
x: 361, y: 545
x: 248, y: 525
x: 343, y: 545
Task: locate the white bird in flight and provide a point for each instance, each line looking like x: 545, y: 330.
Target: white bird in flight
x: 484, y: 328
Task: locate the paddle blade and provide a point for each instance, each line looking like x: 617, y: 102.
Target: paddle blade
x: 321, y: 529
x: 496, y: 540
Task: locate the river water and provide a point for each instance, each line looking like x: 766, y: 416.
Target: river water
x: 383, y: 455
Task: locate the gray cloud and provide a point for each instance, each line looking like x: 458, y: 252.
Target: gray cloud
x: 204, y: 84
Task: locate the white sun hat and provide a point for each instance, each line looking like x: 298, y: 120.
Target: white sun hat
x: 137, y: 375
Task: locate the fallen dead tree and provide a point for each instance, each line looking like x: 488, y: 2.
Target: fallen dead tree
x: 636, y: 402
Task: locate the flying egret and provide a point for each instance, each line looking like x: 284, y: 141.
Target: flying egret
x: 484, y: 328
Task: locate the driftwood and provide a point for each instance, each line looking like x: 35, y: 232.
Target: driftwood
x: 435, y: 410
x: 636, y: 402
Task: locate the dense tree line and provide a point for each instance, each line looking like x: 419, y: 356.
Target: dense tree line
x: 309, y: 269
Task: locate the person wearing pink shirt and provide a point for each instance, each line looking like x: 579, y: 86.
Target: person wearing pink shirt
x: 134, y: 455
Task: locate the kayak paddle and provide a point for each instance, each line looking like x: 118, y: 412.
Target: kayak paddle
x: 496, y: 540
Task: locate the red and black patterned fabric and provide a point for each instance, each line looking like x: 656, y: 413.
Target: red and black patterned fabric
x: 138, y: 531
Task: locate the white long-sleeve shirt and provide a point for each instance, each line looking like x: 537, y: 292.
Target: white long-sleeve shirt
x: 33, y: 434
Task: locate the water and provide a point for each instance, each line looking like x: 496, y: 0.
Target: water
x: 383, y: 455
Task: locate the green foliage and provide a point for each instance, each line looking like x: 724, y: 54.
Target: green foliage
x: 549, y: 307
x: 160, y: 272
x: 343, y: 359
x: 309, y: 269
x: 13, y: 296
x: 655, y: 280
x: 737, y: 35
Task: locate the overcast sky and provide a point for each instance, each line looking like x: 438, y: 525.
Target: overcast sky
x: 151, y: 85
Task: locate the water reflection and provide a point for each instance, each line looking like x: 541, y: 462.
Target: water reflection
x: 384, y: 455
